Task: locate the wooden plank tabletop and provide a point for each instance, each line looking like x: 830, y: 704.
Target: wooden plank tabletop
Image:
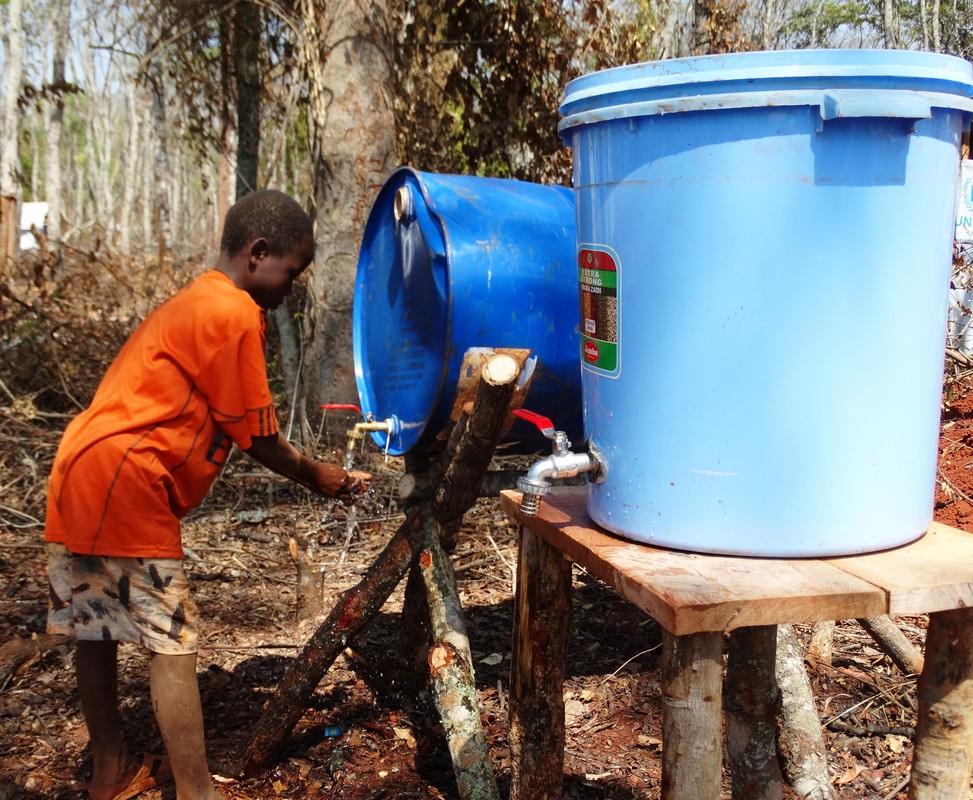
x: 696, y: 592
x: 934, y: 573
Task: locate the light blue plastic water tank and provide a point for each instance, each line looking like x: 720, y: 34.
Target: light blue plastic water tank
x: 764, y: 255
x: 452, y: 262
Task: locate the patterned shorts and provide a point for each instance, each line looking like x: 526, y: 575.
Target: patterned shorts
x: 141, y: 600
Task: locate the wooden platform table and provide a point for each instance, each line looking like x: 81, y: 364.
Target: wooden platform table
x: 697, y: 598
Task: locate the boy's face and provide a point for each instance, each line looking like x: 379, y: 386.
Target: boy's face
x: 270, y: 278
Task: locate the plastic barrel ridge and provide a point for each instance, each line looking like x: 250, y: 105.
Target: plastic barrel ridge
x: 764, y: 247
x: 452, y: 262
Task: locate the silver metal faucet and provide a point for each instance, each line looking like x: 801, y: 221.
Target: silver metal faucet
x: 562, y: 463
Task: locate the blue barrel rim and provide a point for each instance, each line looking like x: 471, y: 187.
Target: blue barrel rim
x: 399, y: 442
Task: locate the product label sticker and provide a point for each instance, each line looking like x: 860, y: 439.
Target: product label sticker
x: 599, y: 279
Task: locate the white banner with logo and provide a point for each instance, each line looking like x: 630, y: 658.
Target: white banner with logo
x: 964, y: 205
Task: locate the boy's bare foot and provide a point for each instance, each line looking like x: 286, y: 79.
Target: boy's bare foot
x: 153, y: 770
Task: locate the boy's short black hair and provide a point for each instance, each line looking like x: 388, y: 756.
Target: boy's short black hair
x: 269, y: 214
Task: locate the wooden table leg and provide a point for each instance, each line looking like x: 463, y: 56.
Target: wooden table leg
x: 692, y: 706
x: 751, y: 699
x: 542, y: 610
x: 943, y: 755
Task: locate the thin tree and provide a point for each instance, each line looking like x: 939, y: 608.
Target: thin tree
x: 12, y: 118
x: 54, y: 189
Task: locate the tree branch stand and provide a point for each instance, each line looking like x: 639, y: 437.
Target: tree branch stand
x: 438, y: 498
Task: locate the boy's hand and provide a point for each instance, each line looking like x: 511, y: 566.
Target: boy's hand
x: 333, y: 481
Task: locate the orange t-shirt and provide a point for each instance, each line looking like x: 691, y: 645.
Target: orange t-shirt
x: 189, y: 382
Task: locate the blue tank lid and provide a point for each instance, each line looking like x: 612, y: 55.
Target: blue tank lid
x: 764, y: 78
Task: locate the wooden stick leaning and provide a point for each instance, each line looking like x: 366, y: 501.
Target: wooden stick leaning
x: 470, y: 450
x: 803, y: 753
x: 451, y: 673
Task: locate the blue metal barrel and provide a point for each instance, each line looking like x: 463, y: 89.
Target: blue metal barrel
x: 449, y: 263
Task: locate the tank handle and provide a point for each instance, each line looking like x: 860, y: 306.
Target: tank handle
x: 341, y: 407
x: 857, y: 103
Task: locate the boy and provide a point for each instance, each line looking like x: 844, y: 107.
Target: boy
x: 190, y: 382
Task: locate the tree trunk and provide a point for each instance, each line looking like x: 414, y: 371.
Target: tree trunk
x: 131, y: 171
x: 890, y: 23
x: 148, y: 173
x: 246, y: 69
x: 161, y: 169
x: 227, y: 144
x: 11, y: 121
x: 344, y: 54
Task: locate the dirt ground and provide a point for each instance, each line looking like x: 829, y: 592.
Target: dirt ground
x: 389, y: 744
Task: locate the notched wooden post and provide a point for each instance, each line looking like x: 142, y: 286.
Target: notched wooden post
x: 692, y: 701
x: 542, y: 611
x: 751, y: 700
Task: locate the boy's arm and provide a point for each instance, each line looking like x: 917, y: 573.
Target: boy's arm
x: 279, y: 455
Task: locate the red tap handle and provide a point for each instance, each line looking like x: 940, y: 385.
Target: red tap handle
x: 543, y: 424
x: 341, y: 407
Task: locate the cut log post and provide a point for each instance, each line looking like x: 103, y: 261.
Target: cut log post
x: 943, y: 754
x: 354, y: 610
x: 16, y: 652
x: 542, y: 611
x: 453, y: 478
x: 310, y: 585
x: 692, y: 755
x: 459, y: 487
x: 800, y: 740
x: 451, y: 672
x: 751, y: 700
x: 889, y: 637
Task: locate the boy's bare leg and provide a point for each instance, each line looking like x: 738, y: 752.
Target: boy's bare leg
x: 96, y: 670
x: 175, y: 700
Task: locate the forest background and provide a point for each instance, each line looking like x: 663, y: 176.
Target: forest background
x: 139, y: 123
